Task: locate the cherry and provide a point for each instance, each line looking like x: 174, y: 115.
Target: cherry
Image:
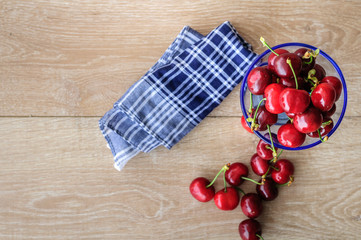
x: 245, y: 125
x: 336, y: 83
x: 259, y: 165
x: 264, y: 150
x: 308, y: 121
x: 272, y: 57
x: 274, y: 136
x: 258, y: 79
x: 290, y: 115
x: 320, y: 72
x: 289, y: 136
x: 251, y: 205
x: 282, y: 68
x: 226, y: 199
x: 290, y: 82
x: 250, y: 229
x: 235, y: 173
x: 264, y: 118
x: 272, y: 95
x: 294, y: 100
x: 323, y: 96
x: 283, y: 171
x: 200, y: 191
x: 268, y: 191
x: 330, y: 112
x: 325, y: 128
x: 308, y: 61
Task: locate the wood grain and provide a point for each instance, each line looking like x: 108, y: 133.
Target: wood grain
x: 57, y: 182
x: 67, y: 62
x: 77, y: 58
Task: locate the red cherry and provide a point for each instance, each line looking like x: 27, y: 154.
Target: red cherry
x: 290, y: 82
x: 264, y: 118
x: 320, y: 72
x: 306, y: 64
x: 226, y: 200
x: 294, y: 100
x: 199, y: 190
x: 251, y: 205
x: 289, y: 136
x: 245, y: 125
x: 336, y: 83
x: 308, y: 121
x: 282, y: 68
x: 264, y: 151
x: 268, y: 191
x: 249, y: 229
x: 272, y: 57
x: 258, y: 79
x: 235, y: 173
x: 324, y: 129
x: 284, y: 171
x: 290, y: 115
x: 323, y: 96
x: 259, y: 165
x: 272, y: 95
x: 274, y: 137
x: 330, y: 112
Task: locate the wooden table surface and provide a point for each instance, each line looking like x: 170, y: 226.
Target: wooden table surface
x: 64, y: 63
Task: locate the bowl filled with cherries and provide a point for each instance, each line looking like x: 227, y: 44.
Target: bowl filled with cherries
x: 295, y: 93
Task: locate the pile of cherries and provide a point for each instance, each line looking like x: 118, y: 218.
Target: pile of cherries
x: 291, y: 83
x: 295, y: 84
x: 274, y: 173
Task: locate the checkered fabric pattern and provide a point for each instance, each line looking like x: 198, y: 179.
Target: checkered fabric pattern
x: 192, y: 78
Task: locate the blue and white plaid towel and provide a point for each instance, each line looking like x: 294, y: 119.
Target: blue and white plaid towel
x: 192, y: 78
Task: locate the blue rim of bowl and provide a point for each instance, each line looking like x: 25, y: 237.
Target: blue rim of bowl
x: 334, y: 64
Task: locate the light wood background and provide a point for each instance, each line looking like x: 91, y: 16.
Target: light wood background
x: 64, y: 63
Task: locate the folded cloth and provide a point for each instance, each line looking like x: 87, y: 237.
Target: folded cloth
x: 123, y: 140
x: 192, y: 78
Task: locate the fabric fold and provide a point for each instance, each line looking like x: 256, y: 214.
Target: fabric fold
x: 192, y: 78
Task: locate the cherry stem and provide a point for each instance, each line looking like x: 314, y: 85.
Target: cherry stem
x: 312, y: 82
x: 251, y: 180
x: 224, y: 181
x: 327, y: 123
x: 224, y: 169
x: 266, y: 45
x: 287, y: 183
x: 265, y: 175
x: 319, y: 135
x: 311, y: 76
x: 293, y: 71
x: 269, y: 168
x: 259, y: 236
x: 310, y: 60
x: 273, y: 167
x: 268, y: 147
x: 250, y: 103
x: 255, y: 114
x: 239, y: 190
x: 291, y: 120
x: 315, y: 53
x: 273, y: 147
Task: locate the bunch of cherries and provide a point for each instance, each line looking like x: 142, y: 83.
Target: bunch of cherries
x: 295, y: 84
x: 274, y: 173
x: 291, y: 83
